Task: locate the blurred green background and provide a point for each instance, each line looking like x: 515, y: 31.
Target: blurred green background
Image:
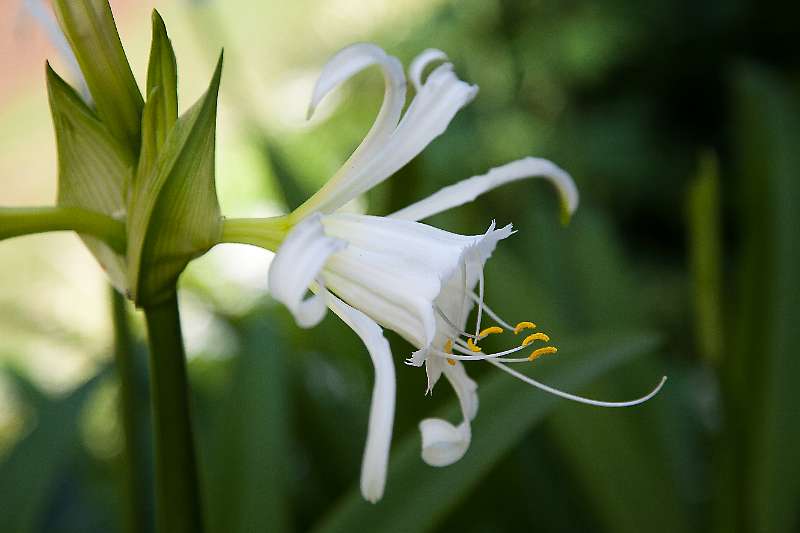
x: 680, y: 122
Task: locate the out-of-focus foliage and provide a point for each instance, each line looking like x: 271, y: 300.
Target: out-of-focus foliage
x: 631, y: 98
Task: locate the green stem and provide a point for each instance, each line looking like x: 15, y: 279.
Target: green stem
x: 264, y: 232
x: 133, y: 465
x: 178, y: 507
x: 16, y: 221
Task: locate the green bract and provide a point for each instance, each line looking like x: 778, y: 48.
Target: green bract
x: 137, y: 162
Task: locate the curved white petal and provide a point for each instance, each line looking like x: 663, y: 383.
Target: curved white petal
x: 428, y: 115
x: 296, y: 266
x: 443, y: 443
x: 467, y: 190
x: 341, y: 67
x: 420, y: 62
x: 381, y: 414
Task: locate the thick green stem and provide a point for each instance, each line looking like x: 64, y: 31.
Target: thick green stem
x: 16, y: 221
x: 264, y: 232
x: 178, y: 508
x: 133, y: 464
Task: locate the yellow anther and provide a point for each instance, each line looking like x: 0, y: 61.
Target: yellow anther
x: 542, y: 351
x: 448, y: 347
x: 490, y: 331
x: 523, y: 325
x: 535, y: 337
x: 471, y: 345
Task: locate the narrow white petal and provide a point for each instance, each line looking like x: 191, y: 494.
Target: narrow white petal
x: 428, y: 115
x: 420, y: 62
x: 295, y: 267
x: 341, y: 67
x: 381, y: 415
x: 469, y: 189
x: 443, y: 443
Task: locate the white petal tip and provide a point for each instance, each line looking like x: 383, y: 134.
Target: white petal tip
x: 443, y: 443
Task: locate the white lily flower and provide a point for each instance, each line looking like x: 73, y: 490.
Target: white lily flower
x: 395, y: 272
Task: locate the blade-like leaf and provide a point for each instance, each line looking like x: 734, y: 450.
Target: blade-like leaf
x: 92, y: 167
x: 761, y: 479
x: 92, y: 34
x: 418, y: 496
x: 27, y: 474
x: 174, y: 214
x: 249, y: 490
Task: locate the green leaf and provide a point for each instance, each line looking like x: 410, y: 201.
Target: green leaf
x: 28, y: 473
x: 619, y: 459
x: 174, y: 214
x: 249, y: 490
x: 761, y: 476
x: 705, y: 252
x: 92, y: 34
x: 93, y: 167
x: 419, y: 496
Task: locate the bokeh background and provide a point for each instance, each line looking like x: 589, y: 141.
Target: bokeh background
x: 680, y: 122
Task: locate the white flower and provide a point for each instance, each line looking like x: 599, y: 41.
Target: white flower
x: 396, y: 272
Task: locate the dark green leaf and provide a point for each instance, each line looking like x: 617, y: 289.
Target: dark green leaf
x: 418, y: 496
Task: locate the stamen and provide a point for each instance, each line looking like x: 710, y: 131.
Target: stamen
x: 542, y: 351
x: 579, y: 399
x: 523, y: 325
x: 535, y: 337
x: 480, y: 300
x: 472, y: 346
x: 470, y: 355
x: 489, y: 331
x: 491, y: 313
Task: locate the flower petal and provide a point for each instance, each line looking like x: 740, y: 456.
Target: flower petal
x: 443, y: 443
x: 420, y: 62
x: 341, y: 67
x: 381, y: 415
x: 297, y: 264
x: 430, y: 112
x: 467, y: 190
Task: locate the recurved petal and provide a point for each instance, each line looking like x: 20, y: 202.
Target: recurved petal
x: 297, y: 264
x: 443, y: 443
x: 341, y: 67
x: 430, y: 112
x: 420, y: 62
x: 468, y: 190
x: 381, y: 415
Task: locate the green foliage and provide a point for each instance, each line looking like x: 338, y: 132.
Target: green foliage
x: 92, y: 35
x: 419, y: 496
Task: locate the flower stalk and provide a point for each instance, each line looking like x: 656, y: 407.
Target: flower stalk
x: 178, y: 506
x: 17, y: 221
x: 267, y: 233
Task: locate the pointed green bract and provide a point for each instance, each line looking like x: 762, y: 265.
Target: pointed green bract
x: 162, y: 73
x: 92, y: 34
x: 92, y: 167
x: 173, y: 211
